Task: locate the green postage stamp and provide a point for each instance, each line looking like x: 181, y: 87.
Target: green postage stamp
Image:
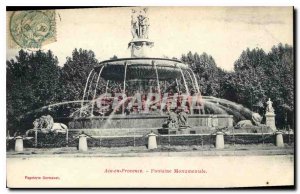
x: 31, y: 29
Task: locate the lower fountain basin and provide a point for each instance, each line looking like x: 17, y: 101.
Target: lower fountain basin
x: 121, y: 125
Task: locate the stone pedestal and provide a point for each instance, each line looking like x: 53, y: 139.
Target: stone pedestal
x: 183, y: 130
x: 220, y: 140
x: 140, y: 47
x: 82, y: 146
x: 279, y: 139
x: 19, y: 144
x: 270, y: 120
x: 152, y: 144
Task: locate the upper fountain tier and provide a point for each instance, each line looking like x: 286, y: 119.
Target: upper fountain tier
x: 140, y: 43
x: 140, y: 66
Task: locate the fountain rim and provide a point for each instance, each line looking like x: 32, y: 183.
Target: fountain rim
x: 140, y: 58
x: 146, y: 116
x: 132, y: 64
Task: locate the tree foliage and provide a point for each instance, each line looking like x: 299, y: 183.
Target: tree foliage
x: 75, y: 72
x: 32, y: 82
x: 206, y: 71
x: 258, y: 76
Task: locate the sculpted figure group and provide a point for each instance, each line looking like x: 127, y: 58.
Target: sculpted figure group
x: 176, y: 120
x: 139, y: 24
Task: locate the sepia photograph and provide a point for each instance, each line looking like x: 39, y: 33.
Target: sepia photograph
x: 150, y: 97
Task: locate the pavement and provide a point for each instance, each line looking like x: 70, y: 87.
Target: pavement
x: 165, y: 151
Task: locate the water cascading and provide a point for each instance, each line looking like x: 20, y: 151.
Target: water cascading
x: 193, y: 84
x: 184, y: 81
x: 96, y: 90
x: 196, y: 82
x: 90, y: 85
x: 240, y: 112
x: 87, y: 80
x: 157, y: 78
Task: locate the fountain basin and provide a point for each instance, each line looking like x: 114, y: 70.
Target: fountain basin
x: 147, y: 121
x: 141, y: 69
x: 142, y: 124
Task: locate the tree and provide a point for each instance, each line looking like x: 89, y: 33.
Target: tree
x: 280, y: 85
x: 258, y: 76
x: 32, y: 82
x: 249, y: 77
x: 227, y: 87
x: 75, y: 73
x: 206, y: 71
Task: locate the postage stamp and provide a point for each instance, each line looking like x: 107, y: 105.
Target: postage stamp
x: 32, y: 29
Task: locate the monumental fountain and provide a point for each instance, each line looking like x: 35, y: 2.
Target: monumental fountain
x: 140, y: 94
x: 126, y: 99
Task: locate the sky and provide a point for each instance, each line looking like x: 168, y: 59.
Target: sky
x: 222, y: 32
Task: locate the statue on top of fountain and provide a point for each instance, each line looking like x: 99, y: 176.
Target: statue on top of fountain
x: 140, y: 23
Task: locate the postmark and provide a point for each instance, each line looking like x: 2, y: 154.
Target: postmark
x: 33, y: 28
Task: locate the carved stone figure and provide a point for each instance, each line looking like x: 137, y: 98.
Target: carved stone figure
x: 144, y: 24
x: 270, y: 115
x: 244, y: 123
x: 45, y: 124
x: 176, y: 121
x: 172, y: 121
x: 139, y: 24
x: 270, y: 108
x: 182, y: 119
x: 134, y: 24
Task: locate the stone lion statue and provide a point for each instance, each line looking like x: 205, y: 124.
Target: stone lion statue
x: 46, y: 124
x: 256, y: 118
x: 244, y: 123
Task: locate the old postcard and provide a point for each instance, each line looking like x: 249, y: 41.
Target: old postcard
x: 150, y: 97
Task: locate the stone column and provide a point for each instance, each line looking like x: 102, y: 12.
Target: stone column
x: 82, y: 146
x: 19, y: 144
x: 139, y: 48
x: 270, y: 115
x: 152, y: 144
x: 270, y: 120
x: 279, y: 139
x: 220, y: 140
